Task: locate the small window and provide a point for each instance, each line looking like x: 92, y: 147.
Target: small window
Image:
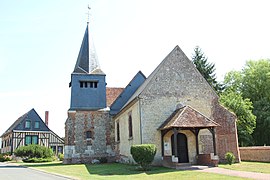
x: 89, y: 134
x: 53, y: 148
x: 36, y: 124
x: 27, y: 140
x: 130, y: 126
x: 27, y: 124
x: 117, y: 131
x: 88, y: 84
x: 60, y: 149
x: 34, y: 140
x: 31, y: 139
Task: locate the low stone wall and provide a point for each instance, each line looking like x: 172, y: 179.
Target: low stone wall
x: 255, y: 153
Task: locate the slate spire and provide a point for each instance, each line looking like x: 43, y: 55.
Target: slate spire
x: 87, y: 61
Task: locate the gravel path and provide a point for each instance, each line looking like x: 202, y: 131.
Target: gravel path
x: 252, y: 175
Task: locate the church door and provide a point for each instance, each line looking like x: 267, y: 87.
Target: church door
x: 182, y: 149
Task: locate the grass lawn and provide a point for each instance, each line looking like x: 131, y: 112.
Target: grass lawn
x: 248, y: 166
x: 121, y: 171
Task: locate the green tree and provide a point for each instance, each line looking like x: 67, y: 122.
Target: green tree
x: 256, y: 87
x: 206, y: 69
x: 242, y: 108
x: 253, y: 83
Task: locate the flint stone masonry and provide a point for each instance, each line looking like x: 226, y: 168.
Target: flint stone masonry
x: 78, y: 149
x: 176, y: 82
x: 169, y: 88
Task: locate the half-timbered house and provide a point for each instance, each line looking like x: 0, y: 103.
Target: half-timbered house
x: 30, y: 129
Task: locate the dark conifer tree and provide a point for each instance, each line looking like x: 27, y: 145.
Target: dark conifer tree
x: 206, y: 69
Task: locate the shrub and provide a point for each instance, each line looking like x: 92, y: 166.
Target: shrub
x: 143, y: 154
x: 5, y: 157
x: 103, y: 160
x: 34, y: 151
x: 38, y: 160
x: 61, y: 156
x: 230, y: 158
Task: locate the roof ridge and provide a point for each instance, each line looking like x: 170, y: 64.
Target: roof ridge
x: 149, y: 79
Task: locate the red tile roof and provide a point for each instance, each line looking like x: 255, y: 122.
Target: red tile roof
x: 187, y: 117
x: 112, y: 93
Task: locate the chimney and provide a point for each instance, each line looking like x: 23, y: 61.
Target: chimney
x: 46, y: 118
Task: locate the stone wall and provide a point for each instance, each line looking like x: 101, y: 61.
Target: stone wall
x: 256, y: 153
x: 123, y: 146
x: 176, y: 81
x: 79, y: 149
x: 226, y: 133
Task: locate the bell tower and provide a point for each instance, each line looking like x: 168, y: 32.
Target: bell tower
x: 88, y: 84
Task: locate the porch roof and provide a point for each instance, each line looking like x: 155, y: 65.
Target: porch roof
x: 187, y: 117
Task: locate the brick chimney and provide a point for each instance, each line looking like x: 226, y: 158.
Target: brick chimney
x: 46, y: 118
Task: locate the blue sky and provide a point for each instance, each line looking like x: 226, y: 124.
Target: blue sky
x: 40, y: 42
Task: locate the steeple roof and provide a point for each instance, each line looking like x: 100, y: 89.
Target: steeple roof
x: 87, y: 61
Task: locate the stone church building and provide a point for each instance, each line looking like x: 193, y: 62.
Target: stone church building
x: 174, y: 108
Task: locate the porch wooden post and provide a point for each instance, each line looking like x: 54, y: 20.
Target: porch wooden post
x: 175, y: 132
x: 212, y: 130
x: 196, y: 133
x: 162, y: 144
x: 197, y: 140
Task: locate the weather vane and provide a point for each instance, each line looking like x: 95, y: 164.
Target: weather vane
x: 88, y: 14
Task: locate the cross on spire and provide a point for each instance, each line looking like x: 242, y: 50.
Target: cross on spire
x: 88, y: 13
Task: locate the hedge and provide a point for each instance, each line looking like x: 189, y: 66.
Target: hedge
x: 143, y: 154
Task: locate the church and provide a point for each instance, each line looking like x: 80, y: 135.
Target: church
x: 174, y: 108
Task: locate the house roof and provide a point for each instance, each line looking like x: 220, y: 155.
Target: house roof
x: 19, y: 123
x: 111, y: 94
x: 87, y: 61
x: 187, y: 117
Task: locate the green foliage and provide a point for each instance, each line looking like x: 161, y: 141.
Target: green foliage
x: 61, y: 156
x: 143, y: 154
x: 253, y: 83
x: 230, y: 158
x: 206, y: 69
x: 103, y: 160
x: 5, y: 157
x: 38, y: 160
x: 34, y: 151
x: 256, y: 86
x: 242, y: 108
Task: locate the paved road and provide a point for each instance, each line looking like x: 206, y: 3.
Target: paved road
x: 14, y: 172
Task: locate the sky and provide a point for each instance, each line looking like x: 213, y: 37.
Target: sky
x: 40, y: 42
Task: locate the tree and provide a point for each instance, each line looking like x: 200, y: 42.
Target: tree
x: 256, y: 87
x: 242, y: 108
x: 206, y: 69
x: 253, y: 83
